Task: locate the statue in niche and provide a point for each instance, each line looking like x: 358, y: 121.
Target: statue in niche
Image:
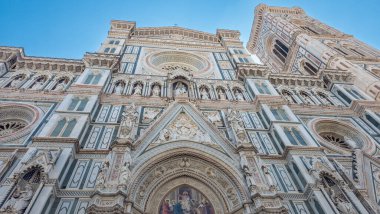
x: 125, y: 173
x: 239, y: 95
x: 101, y: 179
x: 19, y: 200
x: 222, y: 95
x: 237, y: 125
x: 288, y: 97
x: 16, y: 81
x: 60, y: 85
x: 272, y: 186
x: 156, y: 91
x: 306, y: 98
x: 39, y: 83
x: 138, y: 89
x: 129, y: 117
x: 343, y: 206
x: 204, y: 94
x: 248, y: 173
x: 119, y: 88
x: 180, y: 89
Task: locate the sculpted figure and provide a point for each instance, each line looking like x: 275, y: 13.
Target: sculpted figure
x: 125, y: 173
x: 129, y: 117
x: 16, y: 82
x: 38, y: 84
x: 60, y: 86
x: 101, y: 179
x: 239, y: 95
x: 119, y: 88
x: 204, y: 94
x: 180, y: 89
x: 269, y: 178
x: 164, y: 136
x: 138, y: 89
x: 222, y: 95
x: 156, y: 91
x: 19, y: 200
x: 238, y: 126
x: 344, y: 206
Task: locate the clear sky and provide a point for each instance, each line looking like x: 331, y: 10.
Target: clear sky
x: 69, y: 28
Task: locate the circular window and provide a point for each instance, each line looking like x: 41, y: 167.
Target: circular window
x: 340, y: 136
x: 168, y: 61
x: 16, y: 120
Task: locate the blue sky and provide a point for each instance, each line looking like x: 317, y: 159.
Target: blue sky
x: 69, y: 28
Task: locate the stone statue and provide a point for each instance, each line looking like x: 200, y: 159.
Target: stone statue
x: 238, y: 126
x: 119, y: 88
x: 180, y: 89
x: 125, y: 173
x: 38, y: 84
x: 19, y: 200
x: 60, y: 86
x: 101, y: 179
x: 239, y: 95
x: 16, y: 82
x: 150, y: 114
x: 129, y: 117
x: 204, y: 94
x: 343, y: 206
x: 272, y: 186
x: 138, y: 89
x: 222, y: 95
x: 156, y: 91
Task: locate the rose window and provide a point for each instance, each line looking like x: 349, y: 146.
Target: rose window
x: 168, y: 61
x: 9, y: 127
x: 17, y: 120
x: 335, y: 139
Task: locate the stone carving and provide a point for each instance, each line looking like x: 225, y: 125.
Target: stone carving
x: 248, y: 174
x: 221, y: 94
x: 119, y: 88
x: 180, y: 90
x: 19, y: 200
x: 156, y: 91
x: 204, y: 94
x: 272, y: 186
x: 150, y: 114
x: 214, y: 117
x: 101, y: 179
x: 183, y: 128
x: 17, y: 81
x: 237, y: 126
x: 138, y: 89
x: 344, y: 206
x: 60, y: 85
x: 39, y: 83
x: 238, y: 95
x: 125, y: 173
x: 128, y: 120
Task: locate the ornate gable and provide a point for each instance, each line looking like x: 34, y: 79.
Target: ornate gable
x: 182, y: 122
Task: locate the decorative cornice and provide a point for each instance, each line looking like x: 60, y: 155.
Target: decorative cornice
x: 98, y: 60
x: 260, y: 10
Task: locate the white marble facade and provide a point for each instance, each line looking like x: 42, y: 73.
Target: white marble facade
x: 170, y: 120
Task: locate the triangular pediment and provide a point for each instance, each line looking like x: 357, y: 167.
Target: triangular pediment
x: 183, y: 122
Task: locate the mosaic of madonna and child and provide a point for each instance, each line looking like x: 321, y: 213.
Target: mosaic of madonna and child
x: 185, y: 200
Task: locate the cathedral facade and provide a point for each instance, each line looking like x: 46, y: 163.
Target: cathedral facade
x: 168, y: 120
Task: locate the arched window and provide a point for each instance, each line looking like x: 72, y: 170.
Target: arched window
x: 64, y: 128
x: 106, y: 50
x: 280, y: 50
x: 309, y: 68
x: 58, y: 128
x: 113, y: 50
